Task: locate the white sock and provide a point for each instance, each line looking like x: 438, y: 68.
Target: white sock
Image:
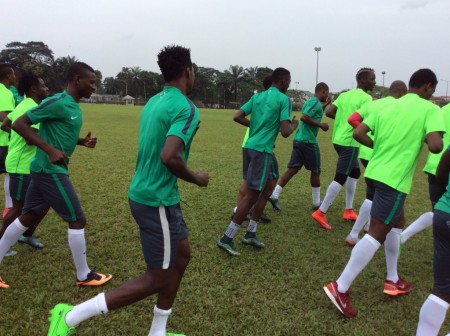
x: 235, y: 209
x: 367, y: 227
x: 420, y: 224
x: 8, y: 199
x: 276, y: 192
x: 12, y: 233
x: 350, y: 188
x: 252, y: 226
x: 315, y: 192
x: 159, y: 322
x: 332, y: 192
x: 362, y: 253
x: 391, y: 246
x: 432, y: 315
x: 86, y: 310
x: 77, y: 244
x: 363, y: 218
x: 232, y: 229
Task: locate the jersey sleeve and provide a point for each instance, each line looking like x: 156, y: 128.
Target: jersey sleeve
x: 370, y: 121
x: 310, y: 107
x: 247, y: 107
x: 434, y: 121
x: 48, y: 110
x: 286, y: 109
x: 362, y: 111
x: 184, y: 124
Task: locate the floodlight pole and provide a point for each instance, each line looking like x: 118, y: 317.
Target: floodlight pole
x: 382, y: 92
x: 317, y: 49
x: 446, y: 90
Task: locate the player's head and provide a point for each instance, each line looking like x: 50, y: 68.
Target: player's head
x: 18, y: 72
x: 82, y: 77
x: 32, y: 86
x: 7, y: 76
x: 366, y: 79
x: 175, y: 64
x: 267, y: 82
x: 423, y: 82
x: 398, y: 89
x: 321, y: 91
x: 281, y: 78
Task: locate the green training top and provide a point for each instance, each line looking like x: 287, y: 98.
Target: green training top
x: 433, y: 159
x: 169, y: 113
x: 60, y: 119
x: 347, y: 103
x: 365, y: 153
x: 444, y: 202
x: 19, y: 153
x: 268, y: 108
x: 7, y: 104
x: 399, y: 133
x: 17, y: 97
x: 308, y: 133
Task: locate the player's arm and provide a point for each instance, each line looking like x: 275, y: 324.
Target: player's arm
x: 443, y: 168
x: 310, y: 121
x: 240, y: 118
x: 3, y: 115
x: 6, y: 125
x: 330, y: 111
x: 360, y: 135
x: 288, y: 127
x: 171, y: 156
x: 355, y: 119
x: 434, y: 142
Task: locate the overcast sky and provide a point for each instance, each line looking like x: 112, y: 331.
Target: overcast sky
x: 397, y: 37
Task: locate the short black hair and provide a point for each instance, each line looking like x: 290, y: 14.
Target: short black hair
x: 422, y: 77
x: 279, y: 74
x: 321, y: 86
x: 78, y: 68
x: 26, y: 82
x: 267, y: 82
x: 5, y: 70
x: 363, y: 73
x: 173, y: 60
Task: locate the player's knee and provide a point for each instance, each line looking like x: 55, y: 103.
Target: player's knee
x: 340, y: 178
x: 355, y: 173
x: 78, y: 224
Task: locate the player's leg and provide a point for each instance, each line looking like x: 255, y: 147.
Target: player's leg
x: 311, y: 159
x: 8, y: 200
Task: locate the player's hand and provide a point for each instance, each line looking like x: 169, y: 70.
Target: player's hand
x: 327, y: 101
x: 89, y: 141
x: 324, y: 127
x: 294, y: 123
x: 57, y: 157
x: 202, y: 178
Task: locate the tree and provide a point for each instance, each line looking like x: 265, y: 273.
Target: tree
x: 18, y: 54
x: 60, y: 67
x: 236, y: 72
x: 112, y: 85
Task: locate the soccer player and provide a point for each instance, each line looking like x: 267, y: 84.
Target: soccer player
x: 347, y: 168
x: 305, y: 150
x: 60, y: 119
x: 434, y: 309
x: 271, y: 112
x: 20, y: 153
x: 399, y: 131
x: 396, y: 90
x: 168, y: 124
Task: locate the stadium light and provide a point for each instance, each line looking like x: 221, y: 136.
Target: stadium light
x: 317, y: 49
x: 382, y: 92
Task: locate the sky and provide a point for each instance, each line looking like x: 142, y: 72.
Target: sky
x: 395, y: 37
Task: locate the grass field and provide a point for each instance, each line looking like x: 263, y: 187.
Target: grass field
x: 276, y: 291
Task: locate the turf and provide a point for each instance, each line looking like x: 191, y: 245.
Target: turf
x: 275, y: 291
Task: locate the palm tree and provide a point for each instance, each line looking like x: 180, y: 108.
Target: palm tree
x: 236, y: 72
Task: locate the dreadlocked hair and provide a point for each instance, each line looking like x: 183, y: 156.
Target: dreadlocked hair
x: 362, y: 73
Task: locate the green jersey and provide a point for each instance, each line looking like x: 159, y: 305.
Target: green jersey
x: 365, y: 153
x: 399, y: 132
x: 7, y: 104
x: 17, y: 97
x: 444, y: 202
x: 60, y: 119
x: 169, y: 113
x: 308, y: 133
x: 433, y: 159
x: 19, y: 153
x: 268, y: 108
x: 347, y: 103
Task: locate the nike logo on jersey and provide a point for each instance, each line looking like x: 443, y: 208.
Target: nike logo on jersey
x: 73, y: 118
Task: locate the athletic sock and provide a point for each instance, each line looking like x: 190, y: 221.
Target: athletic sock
x: 363, y: 218
x: 432, y: 315
x: 8, y: 199
x: 12, y: 233
x: 350, y: 188
x: 232, y: 229
x: 77, y: 244
x: 276, y: 192
x: 315, y: 192
x: 87, y: 309
x: 420, y: 224
x: 235, y: 209
x: 362, y: 253
x: 391, y: 246
x: 332, y: 192
x: 252, y: 226
x: 159, y: 322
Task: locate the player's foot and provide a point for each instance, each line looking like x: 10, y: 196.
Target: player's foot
x: 3, y: 284
x: 5, y: 212
x: 399, y: 287
x: 321, y: 218
x: 95, y: 279
x: 340, y: 300
x: 264, y: 218
x: 316, y: 206
x: 58, y: 325
x: 275, y: 203
x: 250, y: 239
x: 228, y: 247
x: 10, y: 253
x: 349, y: 215
x: 32, y: 241
x: 351, y: 241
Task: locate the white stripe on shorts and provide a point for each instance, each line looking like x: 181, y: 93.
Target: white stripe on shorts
x: 166, y: 236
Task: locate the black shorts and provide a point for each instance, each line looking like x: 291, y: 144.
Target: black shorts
x: 3, y: 154
x: 160, y: 229
x: 305, y: 154
x: 435, y: 189
x: 441, y: 258
x: 18, y: 186
x: 55, y: 191
x: 274, y: 169
x: 257, y: 168
x: 387, y: 204
x: 348, y: 159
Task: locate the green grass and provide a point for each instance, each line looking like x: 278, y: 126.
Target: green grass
x: 276, y: 291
